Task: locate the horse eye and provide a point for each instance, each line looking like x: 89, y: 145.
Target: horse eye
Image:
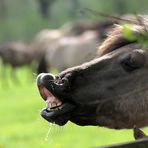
x: 133, y: 61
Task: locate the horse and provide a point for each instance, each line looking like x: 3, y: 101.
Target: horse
x: 108, y: 91
x: 66, y: 48
x: 17, y: 54
x: 72, y: 51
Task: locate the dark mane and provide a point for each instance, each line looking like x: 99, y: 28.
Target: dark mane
x: 116, y: 39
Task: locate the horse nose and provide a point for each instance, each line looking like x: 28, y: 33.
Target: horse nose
x: 44, y: 77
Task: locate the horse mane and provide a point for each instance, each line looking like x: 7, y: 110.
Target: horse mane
x: 117, y: 39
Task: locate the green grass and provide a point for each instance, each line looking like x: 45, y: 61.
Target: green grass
x: 21, y: 125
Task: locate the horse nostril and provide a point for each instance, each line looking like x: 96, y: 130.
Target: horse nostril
x: 66, y: 85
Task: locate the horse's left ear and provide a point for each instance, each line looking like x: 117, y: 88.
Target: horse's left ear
x: 134, y: 60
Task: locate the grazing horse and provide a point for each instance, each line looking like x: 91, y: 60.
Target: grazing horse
x: 72, y: 51
x: 42, y: 41
x: 78, y: 39
x: 46, y: 37
x: 17, y: 54
x: 109, y: 91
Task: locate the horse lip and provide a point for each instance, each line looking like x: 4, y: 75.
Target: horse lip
x: 60, y: 116
x: 66, y: 107
x: 41, y: 87
x: 50, y: 117
x: 44, y: 92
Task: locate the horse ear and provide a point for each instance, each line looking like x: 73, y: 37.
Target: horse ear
x: 134, y: 60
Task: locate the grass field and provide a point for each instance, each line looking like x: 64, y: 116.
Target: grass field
x: 21, y: 125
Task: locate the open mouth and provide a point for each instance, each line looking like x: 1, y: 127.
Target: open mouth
x: 56, y: 111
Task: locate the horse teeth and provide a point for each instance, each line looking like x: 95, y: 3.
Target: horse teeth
x: 48, y: 105
x: 58, y: 104
x: 48, y: 108
x: 53, y: 105
x: 53, y: 109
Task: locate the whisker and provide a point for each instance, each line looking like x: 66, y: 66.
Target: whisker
x: 49, y: 131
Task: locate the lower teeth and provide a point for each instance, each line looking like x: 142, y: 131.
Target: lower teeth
x: 54, y: 109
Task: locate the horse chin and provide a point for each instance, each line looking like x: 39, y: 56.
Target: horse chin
x: 82, y: 119
x: 49, y: 116
x: 60, y: 116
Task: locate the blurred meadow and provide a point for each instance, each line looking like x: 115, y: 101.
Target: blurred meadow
x: 20, y: 103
